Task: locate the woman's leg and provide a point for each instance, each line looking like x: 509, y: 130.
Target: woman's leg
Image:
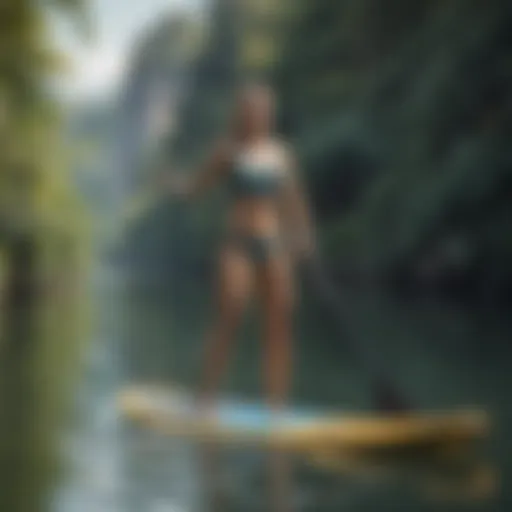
x: 233, y: 289
x: 277, y: 296
x: 234, y: 286
x: 275, y: 282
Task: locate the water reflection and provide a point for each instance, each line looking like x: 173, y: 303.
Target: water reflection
x: 22, y: 484
x: 435, y: 351
x: 438, y: 352
x: 38, y: 358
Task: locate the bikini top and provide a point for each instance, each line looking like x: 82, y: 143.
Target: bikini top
x: 256, y: 174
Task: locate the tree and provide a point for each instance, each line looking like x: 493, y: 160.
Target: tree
x: 36, y: 196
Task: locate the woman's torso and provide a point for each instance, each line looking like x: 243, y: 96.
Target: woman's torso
x: 256, y: 178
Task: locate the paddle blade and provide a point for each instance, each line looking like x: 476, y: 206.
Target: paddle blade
x: 387, y: 397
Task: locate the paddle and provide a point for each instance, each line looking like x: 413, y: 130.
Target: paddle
x: 386, y: 395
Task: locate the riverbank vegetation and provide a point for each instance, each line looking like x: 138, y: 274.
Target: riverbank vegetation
x: 401, y: 114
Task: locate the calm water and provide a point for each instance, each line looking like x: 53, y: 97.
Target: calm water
x: 444, y: 355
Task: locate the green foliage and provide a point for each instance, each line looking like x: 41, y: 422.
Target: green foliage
x: 42, y: 248
x: 400, y: 112
x: 420, y: 95
x: 37, y: 197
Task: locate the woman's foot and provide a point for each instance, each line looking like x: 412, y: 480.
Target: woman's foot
x: 205, y: 408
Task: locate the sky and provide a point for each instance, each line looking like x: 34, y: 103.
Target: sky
x: 98, y: 66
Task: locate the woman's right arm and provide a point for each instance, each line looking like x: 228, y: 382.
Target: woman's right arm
x: 211, y: 172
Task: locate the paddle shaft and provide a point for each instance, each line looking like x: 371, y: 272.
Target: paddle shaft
x: 386, y: 393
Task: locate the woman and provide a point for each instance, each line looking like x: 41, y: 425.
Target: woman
x: 268, y: 228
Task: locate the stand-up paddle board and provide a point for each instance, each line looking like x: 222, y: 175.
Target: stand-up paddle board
x: 304, y: 429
